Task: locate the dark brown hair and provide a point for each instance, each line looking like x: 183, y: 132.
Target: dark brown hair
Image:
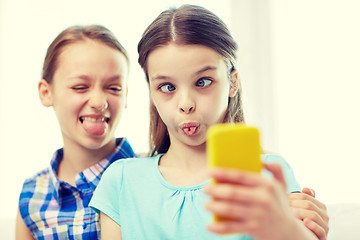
x: 75, y: 34
x: 188, y: 24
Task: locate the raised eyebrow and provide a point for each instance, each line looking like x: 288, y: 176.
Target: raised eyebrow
x: 166, y: 78
x: 161, y: 77
x: 204, y: 69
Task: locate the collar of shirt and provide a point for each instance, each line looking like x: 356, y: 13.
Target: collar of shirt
x: 87, y: 180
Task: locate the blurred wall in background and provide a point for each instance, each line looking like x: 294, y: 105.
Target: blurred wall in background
x: 298, y: 65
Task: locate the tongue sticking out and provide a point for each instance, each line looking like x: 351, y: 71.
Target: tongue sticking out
x: 190, y: 130
x: 93, y: 127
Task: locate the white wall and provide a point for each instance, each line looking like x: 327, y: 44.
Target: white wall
x: 29, y: 132
x: 316, y: 59
x: 299, y: 62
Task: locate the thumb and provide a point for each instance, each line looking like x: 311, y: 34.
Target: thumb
x: 309, y: 191
x: 277, y: 172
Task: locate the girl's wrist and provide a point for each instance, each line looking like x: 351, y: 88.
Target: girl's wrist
x: 296, y: 230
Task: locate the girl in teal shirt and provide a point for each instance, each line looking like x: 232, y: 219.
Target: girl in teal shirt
x: 189, y: 59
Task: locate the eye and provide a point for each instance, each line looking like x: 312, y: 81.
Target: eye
x: 167, y: 87
x: 79, y: 88
x: 115, y: 88
x: 204, y: 82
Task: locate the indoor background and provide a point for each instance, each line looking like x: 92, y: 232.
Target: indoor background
x: 299, y: 67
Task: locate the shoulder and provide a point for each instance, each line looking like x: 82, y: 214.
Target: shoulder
x: 131, y: 164
x: 35, y: 187
x: 42, y: 177
x: 275, y: 158
x: 124, y: 148
x: 40, y: 180
x: 127, y: 172
x: 292, y: 184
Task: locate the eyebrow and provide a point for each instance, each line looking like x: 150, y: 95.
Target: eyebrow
x: 160, y: 77
x: 88, y: 78
x: 202, y: 70
x: 83, y: 77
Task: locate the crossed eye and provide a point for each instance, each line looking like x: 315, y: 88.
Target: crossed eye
x: 168, y: 87
x: 203, y: 82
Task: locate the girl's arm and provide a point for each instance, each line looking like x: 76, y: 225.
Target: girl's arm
x: 22, y: 231
x: 110, y: 230
x: 311, y: 211
x: 257, y: 205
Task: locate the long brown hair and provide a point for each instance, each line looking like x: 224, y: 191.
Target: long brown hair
x: 188, y: 24
x: 75, y: 34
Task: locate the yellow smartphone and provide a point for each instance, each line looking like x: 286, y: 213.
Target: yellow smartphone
x: 234, y: 146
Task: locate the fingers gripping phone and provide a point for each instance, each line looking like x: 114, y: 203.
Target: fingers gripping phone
x: 234, y: 146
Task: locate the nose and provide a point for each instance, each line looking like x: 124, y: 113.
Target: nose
x: 98, y: 101
x: 186, y: 103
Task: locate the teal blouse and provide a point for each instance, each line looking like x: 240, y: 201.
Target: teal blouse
x: 135, y: 195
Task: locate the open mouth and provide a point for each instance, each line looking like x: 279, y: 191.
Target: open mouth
x: 190, y: 129
x: 95, y: 125
x: 92, y: 119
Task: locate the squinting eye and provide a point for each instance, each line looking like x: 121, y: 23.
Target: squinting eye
x: 115, y: 89
x: 203, y: 82
x: 167, y: 88
x: 79, y: 88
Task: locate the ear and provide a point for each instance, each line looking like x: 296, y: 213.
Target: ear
x: 234, y: 83
x: 126, y: 96
x: 45, y: 93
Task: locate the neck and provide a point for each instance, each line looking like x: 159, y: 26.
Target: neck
x: 187, y: 157
x: 77, y: 158
x: 184, y: 165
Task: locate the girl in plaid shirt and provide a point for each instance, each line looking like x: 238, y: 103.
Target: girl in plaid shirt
x: 84, y: 79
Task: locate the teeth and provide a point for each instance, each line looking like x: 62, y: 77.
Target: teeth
x: 90, y: 119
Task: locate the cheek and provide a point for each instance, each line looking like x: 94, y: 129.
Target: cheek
x: 117, y: 104
x: 161, y: 109
x: 219, y: 105
x: 164, y: 110
x: 67, y: 104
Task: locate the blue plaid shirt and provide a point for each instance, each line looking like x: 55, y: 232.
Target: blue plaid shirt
x: 53, y: 209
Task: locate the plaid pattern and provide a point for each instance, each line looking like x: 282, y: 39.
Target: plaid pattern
x: 53, y: 209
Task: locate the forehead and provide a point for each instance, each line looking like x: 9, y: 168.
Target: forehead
x: 183, y: 58
x: 85, y: 46
x: 91, y: 53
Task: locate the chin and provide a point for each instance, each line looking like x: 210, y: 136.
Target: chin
x: 98, y: 142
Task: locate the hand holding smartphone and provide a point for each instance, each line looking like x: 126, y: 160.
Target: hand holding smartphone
x: 234, y: 146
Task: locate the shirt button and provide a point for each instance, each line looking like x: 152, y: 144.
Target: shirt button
x: 84, y: 225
